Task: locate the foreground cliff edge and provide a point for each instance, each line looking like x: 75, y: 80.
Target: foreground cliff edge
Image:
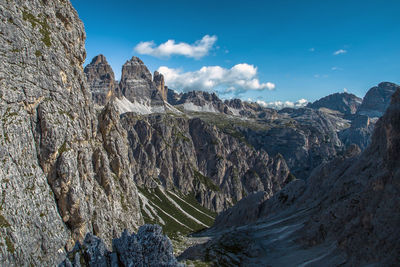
x: 52, y: 143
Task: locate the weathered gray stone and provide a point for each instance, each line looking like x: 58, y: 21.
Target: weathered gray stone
x: 196, y: 157
x: 158, y: 79
x: 377, y: 100
x: 51, y: 195
x: 149, y: 247
x: 137, y: 84
x: 343, y: 102
x: 101, y: 80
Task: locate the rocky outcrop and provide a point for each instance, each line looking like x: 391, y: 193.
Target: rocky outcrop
x: 247, y: 210
x: 101, y: 80
x: 58, y: 179
x: 173, y: 97
x: 377, y: 100
x: 149, y: 247
x: 305, y: 138
x: 195, y: 157
x: 200, y: 101
x: 363, y: 122
x: 158, y: 79
x: 343, y: 102
x: 359, y: 132
x: 137, y: 84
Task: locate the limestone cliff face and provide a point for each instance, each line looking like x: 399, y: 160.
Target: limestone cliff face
x: 305, y: 137
x: 158, y: 79
x: 58, y: 168
x: 101, y: 80
x: 192, y: 156
x: 137, y: 83
x: 343, y: 102
x: 377, y: 99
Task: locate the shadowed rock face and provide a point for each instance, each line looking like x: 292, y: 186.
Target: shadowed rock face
x: 377, y: 100
x: 60, y: 168
x: 305, y: 138
x: 101, y: 80
x: 347, y: 209
x: 343, y: 102
x: 149, y: 247
x: 359, y: 133
x: 375, y: 103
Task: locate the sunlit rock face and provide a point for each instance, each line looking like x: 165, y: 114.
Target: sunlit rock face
x: 60, y: 171
x: 101, y: 80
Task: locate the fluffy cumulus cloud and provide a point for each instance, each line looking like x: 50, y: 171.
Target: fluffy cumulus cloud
x: 238, y: 79
x: 286, y: 104
x: 339, y: 52
x: 197, y: 50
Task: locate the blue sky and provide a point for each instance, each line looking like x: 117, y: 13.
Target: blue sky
x: 250, y: 47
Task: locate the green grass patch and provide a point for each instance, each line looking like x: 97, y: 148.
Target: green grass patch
x: 205, y: 181
x: 44, y: 27
x: 63, y: 148
x: 191, y: 199
x: 171, y: 227
x: 3, y: 222
x: 180, y: 136
x: 191, y: 209
x: 10, y: 245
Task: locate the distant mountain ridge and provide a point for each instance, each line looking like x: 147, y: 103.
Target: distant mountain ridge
x: 316, y: 133
x: 343, y: 102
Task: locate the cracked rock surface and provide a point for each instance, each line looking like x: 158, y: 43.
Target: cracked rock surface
x: 59, y: 175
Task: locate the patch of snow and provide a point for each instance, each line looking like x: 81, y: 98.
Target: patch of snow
x: 171, y: 108
x: 172, y: 193
x: 206, y: 108
x: 310, y: 262
x: 143, y: 108
x: 173, y: 218
x: 182, y: 210
x: 235, y: 111
x: 145, y: 202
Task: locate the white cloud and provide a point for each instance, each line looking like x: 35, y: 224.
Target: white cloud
x: 345, y: 90
x: 283, y: 104
x: 238, y: 79
x: 312, y: 49
x: 197, y: 50
x: 340, y: 51
x: 336, y: 68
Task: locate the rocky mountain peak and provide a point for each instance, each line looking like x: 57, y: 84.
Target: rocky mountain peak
x: 343, y: 102
x: 99, y: 59
x: 377, y: 99
x: 101, y: 80
x: 135, y: 69
x: 137, y: 84
x: 158, y: 79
